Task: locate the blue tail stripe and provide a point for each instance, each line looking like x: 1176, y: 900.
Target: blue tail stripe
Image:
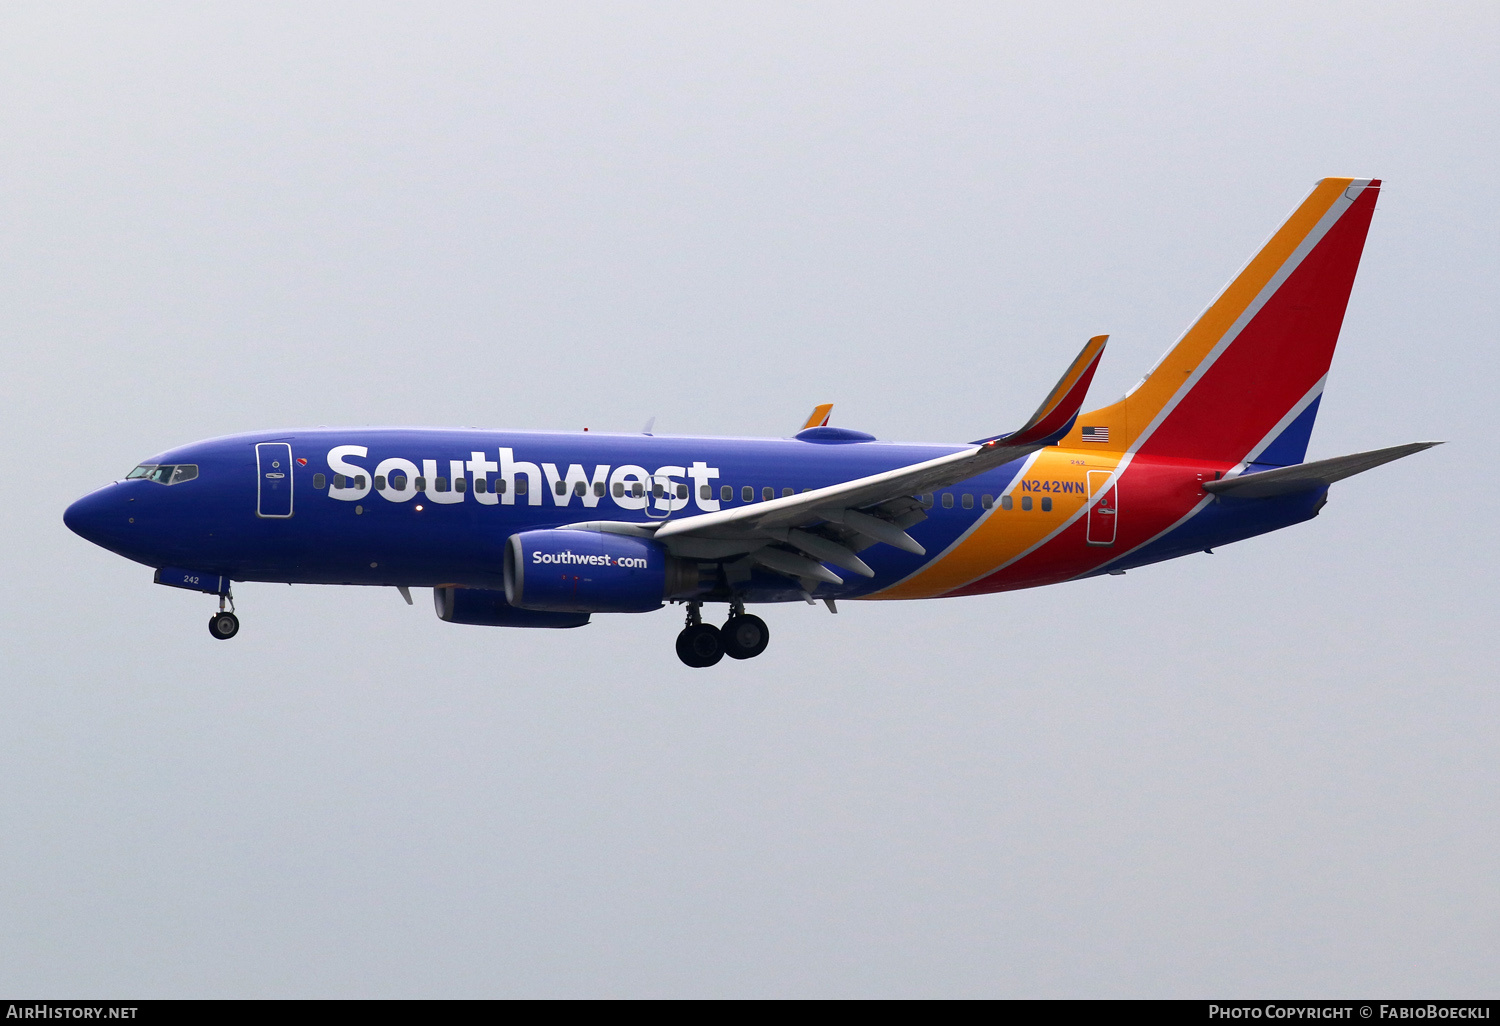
x: 1290, y: 447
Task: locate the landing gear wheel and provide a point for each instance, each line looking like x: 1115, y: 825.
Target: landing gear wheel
x: 745, y: 636
x: 223, y: 625
x: 700, y: 645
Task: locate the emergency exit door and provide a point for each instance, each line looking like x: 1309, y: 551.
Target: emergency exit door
x: 1104, y: 512
x: 273, y: 463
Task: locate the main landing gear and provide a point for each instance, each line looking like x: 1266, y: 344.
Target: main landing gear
x: 743, y: 636
x: 224, y: 624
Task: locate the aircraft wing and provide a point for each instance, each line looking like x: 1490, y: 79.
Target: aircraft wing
x: 855, y: 514
x: 1306, y: 476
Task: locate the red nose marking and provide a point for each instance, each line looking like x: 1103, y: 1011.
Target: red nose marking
x: 301, y: 461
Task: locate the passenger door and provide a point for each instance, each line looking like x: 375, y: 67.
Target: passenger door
x: 273, y: 462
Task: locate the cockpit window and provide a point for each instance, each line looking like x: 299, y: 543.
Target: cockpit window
x: 167, y: 474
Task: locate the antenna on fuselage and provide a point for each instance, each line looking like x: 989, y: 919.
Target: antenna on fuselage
x: 650, y: 425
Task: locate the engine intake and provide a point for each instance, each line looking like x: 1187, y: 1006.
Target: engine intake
x: 589, y: 571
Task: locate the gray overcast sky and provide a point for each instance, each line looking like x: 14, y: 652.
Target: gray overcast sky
x: 1271, y: 771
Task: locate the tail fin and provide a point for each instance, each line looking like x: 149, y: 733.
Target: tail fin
x: 1243, y: 383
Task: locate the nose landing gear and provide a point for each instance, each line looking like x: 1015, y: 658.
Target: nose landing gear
x: 743, y: 636
x: 224, y: 624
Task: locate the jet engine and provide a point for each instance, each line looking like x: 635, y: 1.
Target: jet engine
x: 486, y: 608
x: 575, y: 571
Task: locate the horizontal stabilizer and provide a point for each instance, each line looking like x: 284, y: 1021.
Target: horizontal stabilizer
x: 1307, y: 476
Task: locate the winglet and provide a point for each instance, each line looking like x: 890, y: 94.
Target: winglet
x: 819, y: 416
x: 1054, y: 418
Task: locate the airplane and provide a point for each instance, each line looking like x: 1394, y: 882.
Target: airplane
x: 547, y: 529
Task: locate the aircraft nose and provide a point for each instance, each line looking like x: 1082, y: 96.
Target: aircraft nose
x: 92, y: 516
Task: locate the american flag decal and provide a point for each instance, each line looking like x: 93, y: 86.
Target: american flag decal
x: 1096, y: 434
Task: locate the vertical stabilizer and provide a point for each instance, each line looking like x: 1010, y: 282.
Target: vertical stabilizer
x: 1243, y: 383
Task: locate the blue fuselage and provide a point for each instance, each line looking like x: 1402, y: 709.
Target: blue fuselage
x: 433, y: 507
x: 220, y: 522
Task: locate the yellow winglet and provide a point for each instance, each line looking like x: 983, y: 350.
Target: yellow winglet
x: 819, y: 416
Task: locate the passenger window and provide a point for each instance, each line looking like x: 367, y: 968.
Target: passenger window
x: 460, y: 483
x: 481, y: 484
x: 440, y: 484
x: 1005, y: 502
x: 421, y: 483
x: 787, y: 493
x: 726, y: 493
x: 657, y: 491
x: 599, y: 489
x: 747, y: 494
x: 560, y: 487
x: 767, y: 493
x: 501, y: 485
x: 338, y: 480
x: 1025, y: 502
x: 968, y: 501
x: 682, y: 491
x: 1046, y: 504
x: 359, y: 480
x: 318, y: 481
x: 619, y: 489
x: 947, y: 500
x: 380, y: 483
x: 579, y: 488
x: 987, y: 501
x: 638, y: 490
x: 705, y: 492
x: 925, y: 500
x: 522, y: 484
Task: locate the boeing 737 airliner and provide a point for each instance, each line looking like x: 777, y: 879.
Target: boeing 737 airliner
x: 533, y: 529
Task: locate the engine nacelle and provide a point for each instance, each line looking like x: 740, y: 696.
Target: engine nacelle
x: 589, y: 571
x: 486, y: 608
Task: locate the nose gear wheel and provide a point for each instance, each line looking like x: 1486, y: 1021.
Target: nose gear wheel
x: 223, y: 625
